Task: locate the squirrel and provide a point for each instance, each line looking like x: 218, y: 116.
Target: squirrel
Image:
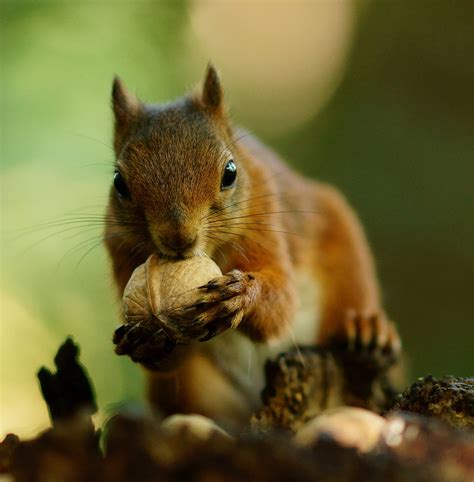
x: 297, y: 266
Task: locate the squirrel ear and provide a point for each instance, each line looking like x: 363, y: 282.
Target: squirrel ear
x: 126, y: 107
x: 212, y: 92
x: 124, y: 104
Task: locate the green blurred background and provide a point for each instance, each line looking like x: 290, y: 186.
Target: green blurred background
x: 375, y: 97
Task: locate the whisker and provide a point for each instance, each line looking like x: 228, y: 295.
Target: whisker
x: 262, y: 230
x: 128, y: 256
x: 122, y: 234
x: 93, y: 139
x: 265, y: 204
x: 87, y: 230
x: 249, y: 364
x: 224, y: 221
x: 49, y: 236
x: 75, y: 248
x: 266, y: 213
x: 213, y: 238
x: 233, y: 245
x: 243, y: 136
x: 101, y: 237
x: 88, y: 252
x: 240, y: 250
x: 107, y: 164
x: 244, y: 237
x: 293, y: 339
x: 78, y: 223
x: 216, y: 212
x: 88, y: 206
x: 224, y: 256
x: 273, y: 176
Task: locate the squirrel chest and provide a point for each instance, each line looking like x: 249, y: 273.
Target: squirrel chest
x: 242, y: 360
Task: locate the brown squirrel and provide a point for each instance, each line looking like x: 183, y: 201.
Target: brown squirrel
x: 298, y: 266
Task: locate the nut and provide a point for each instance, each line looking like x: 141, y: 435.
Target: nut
x: 349, y: 426
x: 159, y: 285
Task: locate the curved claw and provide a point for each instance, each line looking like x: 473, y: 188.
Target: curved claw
x: 119, y: 333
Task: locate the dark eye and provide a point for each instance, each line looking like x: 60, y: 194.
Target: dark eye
x: 230, y: 173
x: 120, y: 185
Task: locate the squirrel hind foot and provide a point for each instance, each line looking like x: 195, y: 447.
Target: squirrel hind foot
x: 370, y: 333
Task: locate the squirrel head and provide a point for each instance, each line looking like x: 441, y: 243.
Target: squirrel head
x: 176, y: 166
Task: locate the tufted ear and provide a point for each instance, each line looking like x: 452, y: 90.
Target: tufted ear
x: 126, y: 108
x: 212, y: 92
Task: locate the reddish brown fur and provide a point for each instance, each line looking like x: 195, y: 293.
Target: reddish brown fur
x: 172, y: 158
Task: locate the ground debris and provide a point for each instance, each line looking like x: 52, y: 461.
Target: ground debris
x: 302, y: 383
x: 449, y: 399
x: 136, y: 447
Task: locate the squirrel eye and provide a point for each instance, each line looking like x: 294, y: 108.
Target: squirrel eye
x: 230, y: 173
x: 120, y: 185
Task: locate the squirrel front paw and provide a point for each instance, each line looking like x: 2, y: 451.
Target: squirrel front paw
x: 217, y: 306
x: 145, y: 343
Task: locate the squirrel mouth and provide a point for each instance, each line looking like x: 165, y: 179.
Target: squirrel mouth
x: 172, y: 254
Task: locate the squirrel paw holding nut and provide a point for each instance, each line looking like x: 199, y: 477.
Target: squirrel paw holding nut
x: 163, y: 307
x: 218, y: 305
x: 144, y: 343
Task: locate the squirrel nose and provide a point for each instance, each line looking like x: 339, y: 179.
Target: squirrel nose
x: 178, y: 241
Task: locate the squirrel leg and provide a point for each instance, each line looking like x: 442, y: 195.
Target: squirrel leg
x: 217, y: 306
x: 351, y: 301
x: 255, y: 301
x: 274, y: 306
